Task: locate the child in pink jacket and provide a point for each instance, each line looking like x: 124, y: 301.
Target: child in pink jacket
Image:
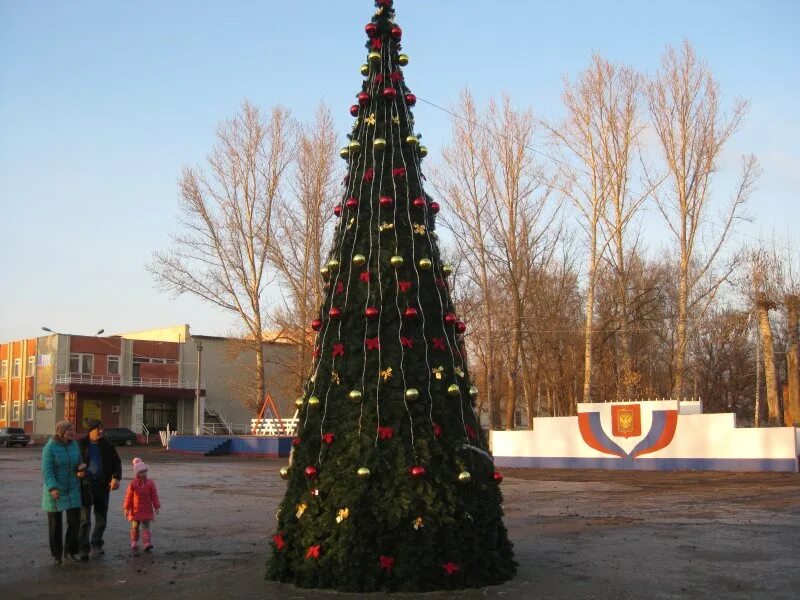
x: 140, y: 506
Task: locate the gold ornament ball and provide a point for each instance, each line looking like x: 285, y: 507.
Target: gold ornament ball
x: 473, y: 392
x: 313, y: 401
x: 284, y: 472
x: 447, y: 270
x: 355, y: 396
x: 298, y: 403
x: 411, y: 394
x: 379, y: 144
x: 412, y: 140
x: 396, y: 261
x: 423, y: 151
x: 402, y: 60
x: 333, y: 264
x: 452, y: 390
x: 344, y: 153
x: 363, y: 473
x: 425, y: 264
x: 464, y: 477
x: 354, y: 146
x: 359, y: 259
x: 365, y: 69
x: 374, y: 57
x: 325, y: 272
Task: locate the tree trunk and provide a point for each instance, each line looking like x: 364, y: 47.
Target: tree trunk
x: 792, y: 399
x: 626, y: 381
x: 770, y: 373
x: 587, y: 348
x: 683, y: 317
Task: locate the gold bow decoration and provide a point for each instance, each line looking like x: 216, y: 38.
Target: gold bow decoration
x: 396, y: 120
x: 342, y: 514
x: 459, y: 371
x: 438, y: 372
x: 370, y: 120
x: 387, y: 374
x: 335, y: 377
x: 385, y: 226
x: 419, y: 229
x: 350, y: 222
x: 419, y: 523
x: 301, y: 508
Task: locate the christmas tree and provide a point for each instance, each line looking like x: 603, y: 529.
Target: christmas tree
x: 391, y: 486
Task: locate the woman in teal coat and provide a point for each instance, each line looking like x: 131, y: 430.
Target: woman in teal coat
x: 62, y: 490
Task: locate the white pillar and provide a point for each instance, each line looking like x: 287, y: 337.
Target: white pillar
x: 137, y: 413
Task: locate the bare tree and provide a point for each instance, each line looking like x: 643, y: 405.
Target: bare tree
x: 684, y: 104
x: 221, y: 256
x: 303, y: 226
x: 503, y: 221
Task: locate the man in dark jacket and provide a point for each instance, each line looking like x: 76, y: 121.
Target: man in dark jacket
x: 103, y: 472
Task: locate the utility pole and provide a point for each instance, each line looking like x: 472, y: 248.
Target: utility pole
x: 197, y: 415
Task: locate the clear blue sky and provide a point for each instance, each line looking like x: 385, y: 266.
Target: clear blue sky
x: 103, y: 102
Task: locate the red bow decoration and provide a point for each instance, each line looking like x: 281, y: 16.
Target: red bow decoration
x: 385, y: 433
x: 437, y: 430
x: 364, y: 277
x: 339, y: 287
x: 470, y: 432
x: 317, y: 353
x: 450, y: 568
x: 379, y: 78
x: 279, y: 541
x: 386, y: 563
x: 400, y: 172
x: 296, y: 441
x: 328, y: 438
x: 338, y: 350
x: 313, y: 552
x: 386, y: 3
x: 373, y: 343
x: 438, y: 344
x: 396, y: 76
x: 377, y: 43
x: 369, y: 175
x: 403, y: 286
x: 407, y: 342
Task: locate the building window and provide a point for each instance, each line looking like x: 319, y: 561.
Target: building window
x: 113, y: 365
x: 29, y: 410
x: 4, y: 369
x: 31, y: 366
x: 15, y: 411
x: 81, y: 363
x: 3, y: 411
x: 16, y: 371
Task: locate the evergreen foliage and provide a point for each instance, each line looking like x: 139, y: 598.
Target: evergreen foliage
x: 389, y: 530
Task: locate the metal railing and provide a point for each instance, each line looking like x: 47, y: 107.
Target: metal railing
x: 274, y: 427
x: 118, y: 380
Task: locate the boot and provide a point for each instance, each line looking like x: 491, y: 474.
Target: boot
x: 147, y: 541
x: 135, y: 541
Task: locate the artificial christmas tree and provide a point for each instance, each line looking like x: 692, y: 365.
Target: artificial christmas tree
x: 390, y: 486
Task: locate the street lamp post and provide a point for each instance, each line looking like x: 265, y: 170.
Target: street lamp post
x: 197, y: 415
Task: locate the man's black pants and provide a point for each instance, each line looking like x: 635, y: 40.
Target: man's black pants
x: 100, y: 497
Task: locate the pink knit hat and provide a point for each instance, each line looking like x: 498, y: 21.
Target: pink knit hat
x: 138, y: 466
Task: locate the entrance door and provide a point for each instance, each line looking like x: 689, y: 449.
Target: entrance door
x: 158, y: 414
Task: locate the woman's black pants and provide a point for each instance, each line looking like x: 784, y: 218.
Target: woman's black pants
x: 58, y: 544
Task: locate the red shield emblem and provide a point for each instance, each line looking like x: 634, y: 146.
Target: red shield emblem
x: 626, y: 420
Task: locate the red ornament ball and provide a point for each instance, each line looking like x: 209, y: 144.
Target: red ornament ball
x: 363, y: 98
x: 435, y: 208
x: 386, y: 201
x: 450, y: 319
x: 351, y: 203
x: 418, y: 202
x: 334, y: 313
x: 417, y: 472
x: 498, y: 477
x: 389, y: 93
x: 296, y: 441
x: 337, y: 210
x: 354, y: 110
x: 410, y: 313
x: 397, y: 33
x: 310, y: 472
x: 371, y: 312
x: 461, y: 327
x: 411, y: 99
x: 316, y: 324
x: 371, y: 29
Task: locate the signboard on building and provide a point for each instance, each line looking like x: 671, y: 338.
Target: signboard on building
x: 71, y: 406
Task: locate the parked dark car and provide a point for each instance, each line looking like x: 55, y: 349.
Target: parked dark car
x: 14, y: 436
x: 120, y: 436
